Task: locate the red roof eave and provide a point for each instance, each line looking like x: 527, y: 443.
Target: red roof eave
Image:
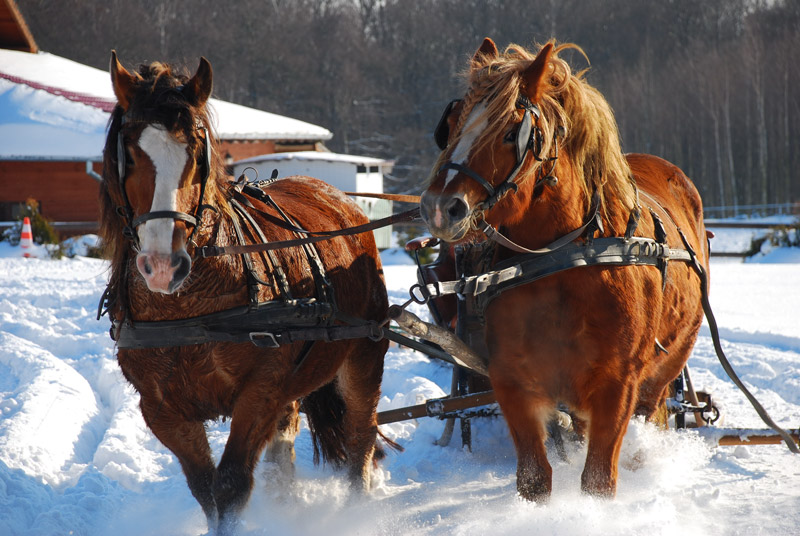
x: 106, y: 105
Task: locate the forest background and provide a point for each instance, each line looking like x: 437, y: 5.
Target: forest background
x: 711, y: 85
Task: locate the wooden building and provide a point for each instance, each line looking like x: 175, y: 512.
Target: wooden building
x: 53, y: 118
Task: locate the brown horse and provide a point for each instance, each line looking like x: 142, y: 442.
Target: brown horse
x: 164, y: 195
x: 534, y: 150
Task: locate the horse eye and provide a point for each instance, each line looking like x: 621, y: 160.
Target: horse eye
x: 511, y: 137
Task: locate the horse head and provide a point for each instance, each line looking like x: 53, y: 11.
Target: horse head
x: 491, y: 140
x: 160, y: 150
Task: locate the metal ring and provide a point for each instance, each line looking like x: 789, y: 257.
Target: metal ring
x: 244, y: 174
x: 714, y: 414
x: 375, y: 332
x: 423, y: 291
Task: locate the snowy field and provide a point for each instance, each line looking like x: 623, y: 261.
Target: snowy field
x: 76, y: 458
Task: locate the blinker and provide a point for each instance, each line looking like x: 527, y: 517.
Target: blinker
x: 524, y: 135
x: 442, y: 132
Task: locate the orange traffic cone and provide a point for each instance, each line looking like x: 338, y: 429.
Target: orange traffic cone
x: 26, y: 238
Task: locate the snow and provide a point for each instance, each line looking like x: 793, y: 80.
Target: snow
x: 316, y: 156
x: 35, y: 123
x: 76, y: 458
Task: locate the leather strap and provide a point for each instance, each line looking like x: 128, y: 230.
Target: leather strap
x: 215, y: 251
x: 400, y: 198
x: 527, y: 268
x: 592, y: 224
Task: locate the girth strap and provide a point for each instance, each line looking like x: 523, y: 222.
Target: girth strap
x: 265, y: 324
x: 527, y: 268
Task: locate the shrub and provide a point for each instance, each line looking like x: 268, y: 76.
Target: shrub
x: 41, y: 229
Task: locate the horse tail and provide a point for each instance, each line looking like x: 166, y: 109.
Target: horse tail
x: 324, y: 409
x: 380, y: 450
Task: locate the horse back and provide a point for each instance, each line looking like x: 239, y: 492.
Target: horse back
x: 352, y: 262
x: 666, y: 185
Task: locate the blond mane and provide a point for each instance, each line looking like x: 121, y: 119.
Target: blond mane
x: 592, y: 142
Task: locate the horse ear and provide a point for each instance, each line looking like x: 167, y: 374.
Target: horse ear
x: 122, y: 80
x: 487, y: 49
x: 534, y: 74
x: 198, y: 89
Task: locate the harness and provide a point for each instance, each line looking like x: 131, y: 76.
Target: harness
x: 269, y: 324
x: 558, y: 256
x: 477, y: 291
x: 529, y: 138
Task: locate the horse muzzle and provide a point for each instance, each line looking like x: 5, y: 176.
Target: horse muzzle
x: 164, y: 273
x: 447, y: 216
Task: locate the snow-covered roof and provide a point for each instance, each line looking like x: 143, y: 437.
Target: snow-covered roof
x: 50, y: 107
x: 36, y: 124
x: 317, y: 156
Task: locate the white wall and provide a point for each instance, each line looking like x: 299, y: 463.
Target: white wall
x: 342, y: 175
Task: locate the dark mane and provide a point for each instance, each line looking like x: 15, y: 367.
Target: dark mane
x: 159, y: 99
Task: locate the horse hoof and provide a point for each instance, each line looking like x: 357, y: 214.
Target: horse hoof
x: 229, y: 526
x: 538, y: 493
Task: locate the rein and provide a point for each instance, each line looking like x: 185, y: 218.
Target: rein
x: 313, y: 236
x: 594, y: 223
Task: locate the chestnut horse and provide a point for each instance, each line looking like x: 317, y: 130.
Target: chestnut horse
x: 164, y: 195
x: 534, y: 150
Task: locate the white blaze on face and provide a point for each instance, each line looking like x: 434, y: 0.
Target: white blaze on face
x: 471, y: 130
x: 169, y: 160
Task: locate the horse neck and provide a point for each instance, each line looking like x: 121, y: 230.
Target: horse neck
x: 534, y: 221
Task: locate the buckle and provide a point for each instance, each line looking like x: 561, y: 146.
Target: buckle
x: 264, y: 339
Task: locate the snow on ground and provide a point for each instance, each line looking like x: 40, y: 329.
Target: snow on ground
x: 76, y: 458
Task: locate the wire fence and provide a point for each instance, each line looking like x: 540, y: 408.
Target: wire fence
x: 753, y: 211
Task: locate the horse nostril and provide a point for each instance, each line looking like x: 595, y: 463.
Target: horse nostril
x: 147, y: 268
x: 456, y: 209
x: 182, y: 264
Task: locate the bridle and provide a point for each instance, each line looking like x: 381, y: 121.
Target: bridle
x: 529, y: 138
x: 126, y: 211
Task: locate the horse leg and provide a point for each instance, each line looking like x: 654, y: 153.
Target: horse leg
x: 654, y: 388
x: 280, y: 449
x: 359, y: 383
x: 610, y: 410
x: 188, y: 442
x: 253, y: 422
x: 527, y: 415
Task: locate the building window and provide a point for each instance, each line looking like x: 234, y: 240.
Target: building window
x: 10, y: 211
x: 363, y: 169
